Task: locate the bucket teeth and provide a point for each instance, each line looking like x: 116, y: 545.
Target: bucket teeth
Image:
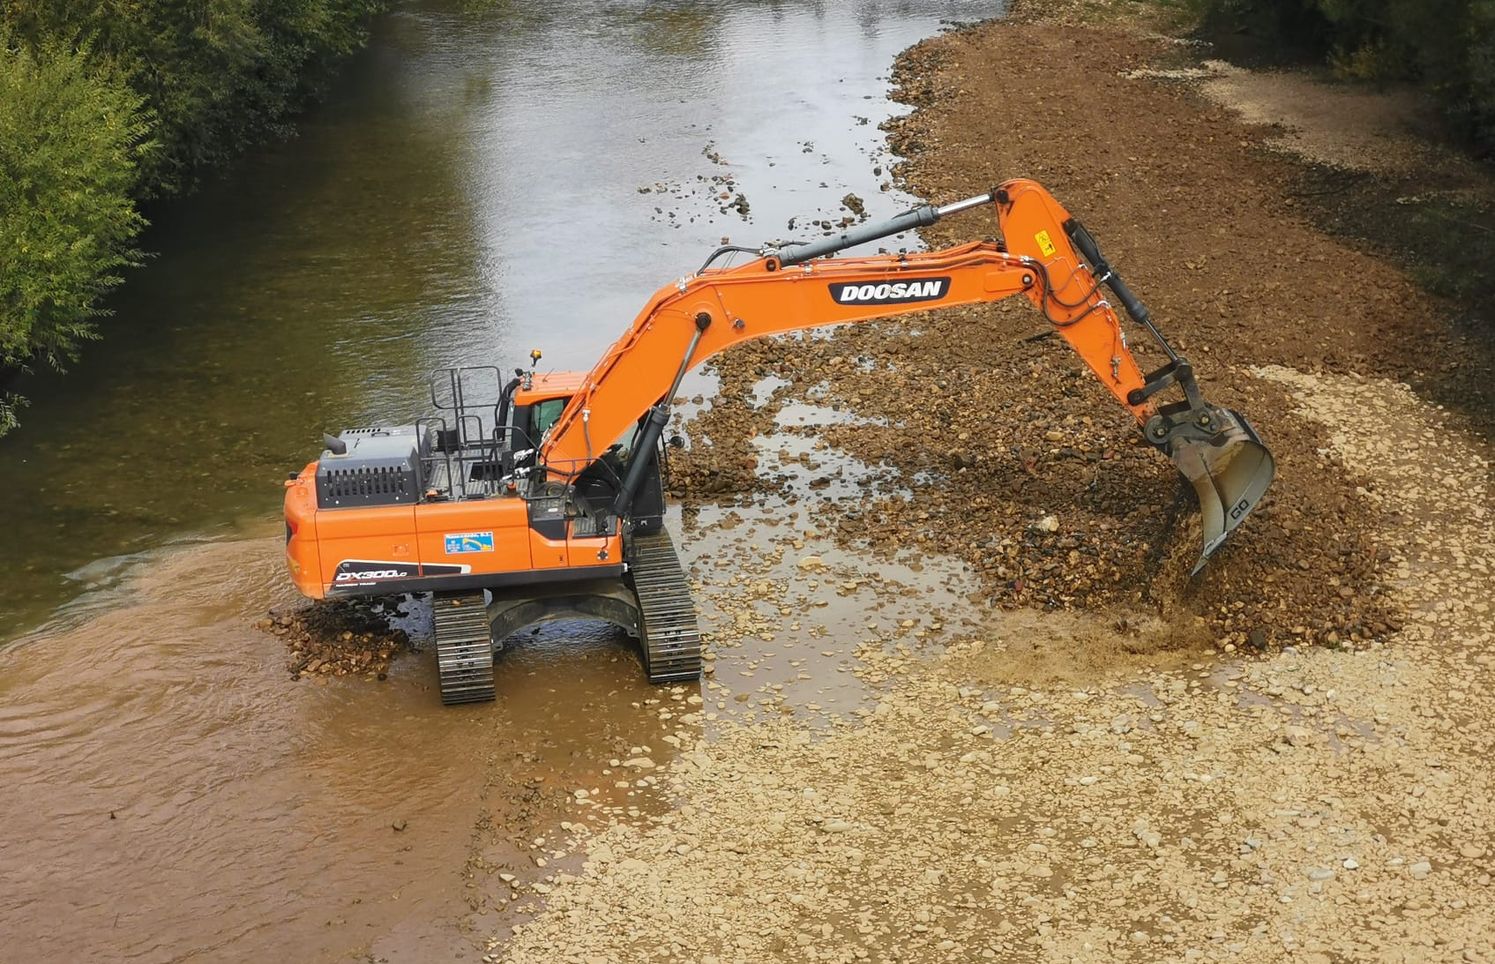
x: 1230, y: 472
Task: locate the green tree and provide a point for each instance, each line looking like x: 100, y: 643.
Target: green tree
x: 106, y: 102
x: 216, y: 74
x: 71, y: 134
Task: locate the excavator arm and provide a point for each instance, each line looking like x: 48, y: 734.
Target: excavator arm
x: 1047, y: 256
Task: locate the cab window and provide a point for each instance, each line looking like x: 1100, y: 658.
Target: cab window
x: 542, y: 415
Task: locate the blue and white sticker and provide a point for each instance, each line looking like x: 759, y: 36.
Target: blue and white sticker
x: 457, y: 542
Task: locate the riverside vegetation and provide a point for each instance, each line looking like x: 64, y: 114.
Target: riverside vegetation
x: 1446, y: 46
x: 105, y: 104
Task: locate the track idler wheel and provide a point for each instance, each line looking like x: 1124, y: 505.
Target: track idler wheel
x: 464, y: 647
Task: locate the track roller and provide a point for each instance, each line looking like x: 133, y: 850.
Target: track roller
x: 464, y: 647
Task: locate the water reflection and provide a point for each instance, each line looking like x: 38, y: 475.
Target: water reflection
x: 469, y: 190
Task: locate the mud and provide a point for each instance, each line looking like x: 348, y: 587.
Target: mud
x: 340, y: 637
x: 1111, y: 782
x: 1016, y: 460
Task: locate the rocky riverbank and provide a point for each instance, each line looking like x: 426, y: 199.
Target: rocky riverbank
x: 1281, y: 760
x: 1316, y: 805
x: 1012, y: 457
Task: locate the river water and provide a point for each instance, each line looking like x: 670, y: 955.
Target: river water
x: 470, y: 189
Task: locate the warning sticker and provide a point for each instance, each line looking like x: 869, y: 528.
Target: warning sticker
x: 1045, y: 243
x: 457, y: 542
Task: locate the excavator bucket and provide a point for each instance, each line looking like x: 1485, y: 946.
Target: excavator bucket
x: 1230, y: 473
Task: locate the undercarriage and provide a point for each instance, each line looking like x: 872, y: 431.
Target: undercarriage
x: 652, y: 604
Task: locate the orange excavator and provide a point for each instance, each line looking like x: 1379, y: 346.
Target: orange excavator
x: 540, y: 497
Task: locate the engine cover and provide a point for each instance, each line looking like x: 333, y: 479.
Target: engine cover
x: 382, y: 466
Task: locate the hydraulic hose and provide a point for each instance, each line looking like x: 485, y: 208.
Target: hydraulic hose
x: 506, y: 400
x: 1091, y: 251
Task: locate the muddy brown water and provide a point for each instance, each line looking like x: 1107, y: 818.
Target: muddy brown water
x: 171, y: 794
x: 468, y: 190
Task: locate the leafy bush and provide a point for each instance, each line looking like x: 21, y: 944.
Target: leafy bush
x: 106, y: 102
x: 71, y: 134
x: 216, y: 74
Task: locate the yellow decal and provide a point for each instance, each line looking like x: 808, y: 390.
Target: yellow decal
x: 1045, y: 243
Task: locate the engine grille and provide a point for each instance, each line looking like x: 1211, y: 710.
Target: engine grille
x: 366, y: 485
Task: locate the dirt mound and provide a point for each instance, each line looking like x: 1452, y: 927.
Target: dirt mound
x: 1205, y: 221
x: 339, y: 637
x: 1019, y: 464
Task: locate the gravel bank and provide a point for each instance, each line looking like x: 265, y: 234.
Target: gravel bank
x: 1314, y: 805
x: 1094, y: 773
x: 1012, y: 458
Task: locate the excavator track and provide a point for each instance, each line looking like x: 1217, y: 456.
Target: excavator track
x: 464, y: 647
x: 668, y: 634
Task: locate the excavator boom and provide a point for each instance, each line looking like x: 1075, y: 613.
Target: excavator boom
x: 1047, y: 256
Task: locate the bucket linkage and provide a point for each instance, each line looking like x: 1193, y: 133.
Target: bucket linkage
x: 1215, y: 448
